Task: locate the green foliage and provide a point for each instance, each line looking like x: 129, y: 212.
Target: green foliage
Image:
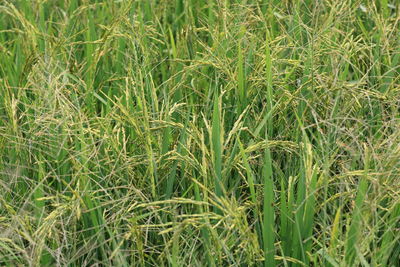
x: 199, y: 133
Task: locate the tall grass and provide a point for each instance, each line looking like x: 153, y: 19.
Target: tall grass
x: 199, y: 133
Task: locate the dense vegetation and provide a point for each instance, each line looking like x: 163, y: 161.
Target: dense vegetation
x: 199, y: 133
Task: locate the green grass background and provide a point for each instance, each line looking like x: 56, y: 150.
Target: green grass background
x: 200, y: 133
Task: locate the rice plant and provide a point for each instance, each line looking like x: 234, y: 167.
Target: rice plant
x: 200, y: 133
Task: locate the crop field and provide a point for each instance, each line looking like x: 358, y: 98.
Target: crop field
x: 200, y: 133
